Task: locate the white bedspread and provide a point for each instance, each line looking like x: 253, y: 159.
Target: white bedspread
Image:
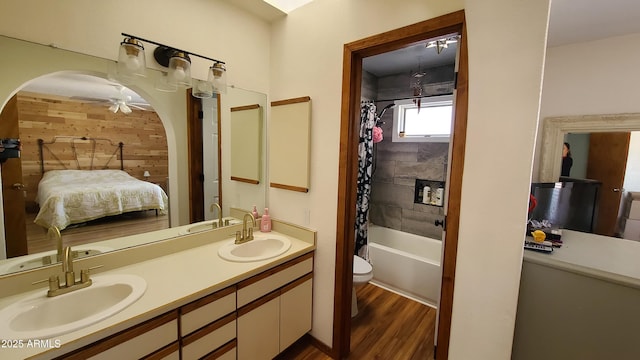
x: 75, y: 196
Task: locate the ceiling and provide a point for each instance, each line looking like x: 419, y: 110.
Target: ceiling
x: 570, y: 21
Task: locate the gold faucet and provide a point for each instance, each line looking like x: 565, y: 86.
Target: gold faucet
x: 219, y: 215
x: 247, y: 231
x: 53, y: 232
x: 70, y: 284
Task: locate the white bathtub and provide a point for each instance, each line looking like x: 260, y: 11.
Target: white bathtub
x: 406, y: 263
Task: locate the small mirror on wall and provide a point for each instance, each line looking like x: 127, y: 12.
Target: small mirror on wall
x: 290, y: 144
x: 246, y: 135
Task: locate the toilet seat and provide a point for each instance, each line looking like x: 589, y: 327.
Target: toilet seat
x: 361, y: 266
x: 362, y: 271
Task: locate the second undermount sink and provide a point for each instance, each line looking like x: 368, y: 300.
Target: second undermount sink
x: 40, y: 317
x: 262, y: 247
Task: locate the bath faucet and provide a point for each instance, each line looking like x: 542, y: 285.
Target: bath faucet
x: 70, y: 284
x: 219, y: 214
x: 53, y: 232
x: 247, y: 231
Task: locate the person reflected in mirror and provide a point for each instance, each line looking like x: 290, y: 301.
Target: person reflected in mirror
x: 567, y: 160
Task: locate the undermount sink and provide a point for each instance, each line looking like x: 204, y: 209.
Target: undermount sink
x: 39, y: 316
x: 262, y: 247
x: 206, y: 225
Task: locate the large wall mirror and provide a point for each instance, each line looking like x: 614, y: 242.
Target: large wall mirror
x: 604, y: 150
x: 154, y: 134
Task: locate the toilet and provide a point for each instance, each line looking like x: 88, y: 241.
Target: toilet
x: 362, y: 273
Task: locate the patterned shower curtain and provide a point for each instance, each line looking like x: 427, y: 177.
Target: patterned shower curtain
x: 365, y: 160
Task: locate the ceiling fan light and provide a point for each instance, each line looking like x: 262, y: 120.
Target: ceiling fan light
x: 218, y: 78
x: 131, y: 58
x: 179, y: 69
x: 114, y: 108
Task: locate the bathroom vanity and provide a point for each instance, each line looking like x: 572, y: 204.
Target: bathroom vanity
x: 581, y: 301
x: 196, y: 304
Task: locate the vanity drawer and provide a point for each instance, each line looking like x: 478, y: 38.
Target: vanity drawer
x: 270, y: 280
x: 212, y: 336
x: 136, y: 342
x: 207, y: 310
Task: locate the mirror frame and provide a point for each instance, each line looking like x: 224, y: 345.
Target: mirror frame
x: 555, y: 128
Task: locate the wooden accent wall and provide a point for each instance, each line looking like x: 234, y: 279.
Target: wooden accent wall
x: 45, y: 116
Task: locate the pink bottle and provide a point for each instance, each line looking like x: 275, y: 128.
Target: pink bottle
x: 265, y: 223
x: 254, y: 212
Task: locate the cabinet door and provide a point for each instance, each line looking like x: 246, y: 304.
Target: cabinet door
x: 258, y: 329
x: 295, y: 311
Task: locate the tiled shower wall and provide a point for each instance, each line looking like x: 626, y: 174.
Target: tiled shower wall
x: 397, y: 165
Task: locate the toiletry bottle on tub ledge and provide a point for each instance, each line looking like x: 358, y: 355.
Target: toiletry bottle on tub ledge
x: 265, y: 223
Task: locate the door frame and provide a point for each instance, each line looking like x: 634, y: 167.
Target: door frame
x: 353, y: 54
x: 196, y: 159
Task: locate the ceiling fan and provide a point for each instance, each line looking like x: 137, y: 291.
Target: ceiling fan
x: 118, y: 102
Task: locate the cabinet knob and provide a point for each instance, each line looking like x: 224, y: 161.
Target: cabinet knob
x: 17, y: 186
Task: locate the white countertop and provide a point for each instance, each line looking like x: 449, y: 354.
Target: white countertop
x: 172, y: 281
x: 606, y: 258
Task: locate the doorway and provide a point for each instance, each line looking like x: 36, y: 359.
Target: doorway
x: 352, y: 78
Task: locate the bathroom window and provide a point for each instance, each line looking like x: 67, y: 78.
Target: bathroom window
x: 430, y: 123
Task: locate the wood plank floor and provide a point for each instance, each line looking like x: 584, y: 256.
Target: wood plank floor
x: 96, y: 230
x: 388, y: 326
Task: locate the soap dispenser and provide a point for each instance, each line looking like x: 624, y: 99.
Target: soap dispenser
x: 254, y: 212
x: 265, y: 223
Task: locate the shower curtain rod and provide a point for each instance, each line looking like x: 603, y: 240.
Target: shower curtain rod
x: 409, y: 98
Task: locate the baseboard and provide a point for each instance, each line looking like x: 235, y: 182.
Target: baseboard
x: 319, y: 345
x: 303, y: 342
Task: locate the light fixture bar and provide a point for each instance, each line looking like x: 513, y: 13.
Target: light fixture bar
x: 176, y: 49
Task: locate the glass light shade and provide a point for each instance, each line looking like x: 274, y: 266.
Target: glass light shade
x: 131, y: 58
x: 218, y: 78
x: 146, y: 174
x: 179, y: 70
x: 162, y: 83
x: 202, y: 89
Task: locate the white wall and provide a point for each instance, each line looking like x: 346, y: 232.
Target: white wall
x: 504, y: 91
x: 588, y: 78
x: 211, y: 28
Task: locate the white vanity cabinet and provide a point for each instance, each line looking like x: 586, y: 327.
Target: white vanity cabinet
x: 208, y: 325
x: 274, y: 309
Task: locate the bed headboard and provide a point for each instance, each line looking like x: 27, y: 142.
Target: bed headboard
x: 73, y: 142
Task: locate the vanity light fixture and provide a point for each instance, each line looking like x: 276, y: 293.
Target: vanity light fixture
x: 178, y: 64
x: 146, y: 174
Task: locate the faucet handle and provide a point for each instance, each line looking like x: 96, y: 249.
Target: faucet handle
x: 54, y: 282
x: 84, y: 273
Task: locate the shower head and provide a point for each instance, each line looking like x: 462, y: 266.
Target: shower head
x: 385, y: 109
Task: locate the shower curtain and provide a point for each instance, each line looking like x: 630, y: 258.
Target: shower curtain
x: 365, y: 160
